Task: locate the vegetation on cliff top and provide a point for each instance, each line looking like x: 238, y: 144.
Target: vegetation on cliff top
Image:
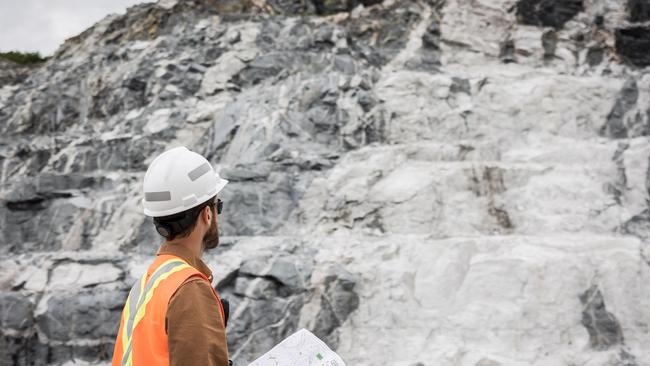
x: 23, y: 58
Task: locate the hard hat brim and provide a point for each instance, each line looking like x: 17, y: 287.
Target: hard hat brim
x: 221, y: 183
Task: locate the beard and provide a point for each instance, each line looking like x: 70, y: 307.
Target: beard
x: 211, y: 237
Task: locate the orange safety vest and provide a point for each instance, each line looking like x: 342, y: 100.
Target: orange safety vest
x: 142, y: 338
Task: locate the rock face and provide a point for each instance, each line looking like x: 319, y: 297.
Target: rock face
x: 633, y: 44
x: 627, y: 118
x: 638, y: 10
x: 604, y: 330
x: 12, y: 73
x: 549, y: 13
x: 417, y: 182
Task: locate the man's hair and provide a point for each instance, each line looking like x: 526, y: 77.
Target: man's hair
x: 180, y: 225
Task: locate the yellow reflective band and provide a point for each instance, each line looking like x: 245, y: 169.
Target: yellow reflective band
x: 125, y: 316
x: 127, y: 309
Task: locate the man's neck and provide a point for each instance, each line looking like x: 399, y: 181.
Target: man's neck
x: 195, y: 245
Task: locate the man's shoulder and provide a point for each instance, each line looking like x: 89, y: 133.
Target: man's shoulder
x: 194, y: 292
x: 195, y: 283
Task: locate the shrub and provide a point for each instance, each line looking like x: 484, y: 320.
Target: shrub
x: 23, y: 58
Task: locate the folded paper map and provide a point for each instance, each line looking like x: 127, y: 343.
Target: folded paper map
x: 302, y: 348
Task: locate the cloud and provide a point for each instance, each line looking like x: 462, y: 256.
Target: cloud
x: 42, y: 25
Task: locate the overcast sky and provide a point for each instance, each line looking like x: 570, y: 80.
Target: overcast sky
x: 42, y: 25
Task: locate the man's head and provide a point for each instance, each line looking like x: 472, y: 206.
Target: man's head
x: 200, y: 220
x: 180, y: 190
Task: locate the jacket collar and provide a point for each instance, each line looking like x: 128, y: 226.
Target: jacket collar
x: 186, y: 255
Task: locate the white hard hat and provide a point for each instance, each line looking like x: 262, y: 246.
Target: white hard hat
x: 178, y: 180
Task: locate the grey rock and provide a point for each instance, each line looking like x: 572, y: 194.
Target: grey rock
x: 239, y: 173
x: 627, y: 359
x: 16, y: 311
x: 23, y: 351
x: 638, y: 10
x: 259, y: 328
x: 282, y: 269
x: 604, y: 329
x: 460, y: 85
x: 267, y: 210
x: 638, y: 225
x: 85, y: 314
x: 647, y: 181
x: 337, y: 301
x: 66, y: 275
x: 617, y: 187
x: 259, y: 288
x: 381, y: 32
x: 507, y: 50
x: 549, y: 43
x: 339, y: 287
x: 266, y: 296
x: 12, y: 73
x: 595, y: 55
x: 633, y: 43
x: 431, y: 37
x: 291, y: 7
x: 428, y: 57
x: 145, y: 239
x: 548, y: 13
x: 618, y: 126
x: 488, y: 362
x: 335, y: 6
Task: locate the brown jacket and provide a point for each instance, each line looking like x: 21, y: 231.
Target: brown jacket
x: 195, y: 330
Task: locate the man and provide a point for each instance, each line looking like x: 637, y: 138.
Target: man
x: 173, y: 316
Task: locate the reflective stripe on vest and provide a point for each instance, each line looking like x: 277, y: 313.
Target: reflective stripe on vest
x: 142, y: 337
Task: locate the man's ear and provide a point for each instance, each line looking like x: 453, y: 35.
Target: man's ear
x: 206, y: 214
